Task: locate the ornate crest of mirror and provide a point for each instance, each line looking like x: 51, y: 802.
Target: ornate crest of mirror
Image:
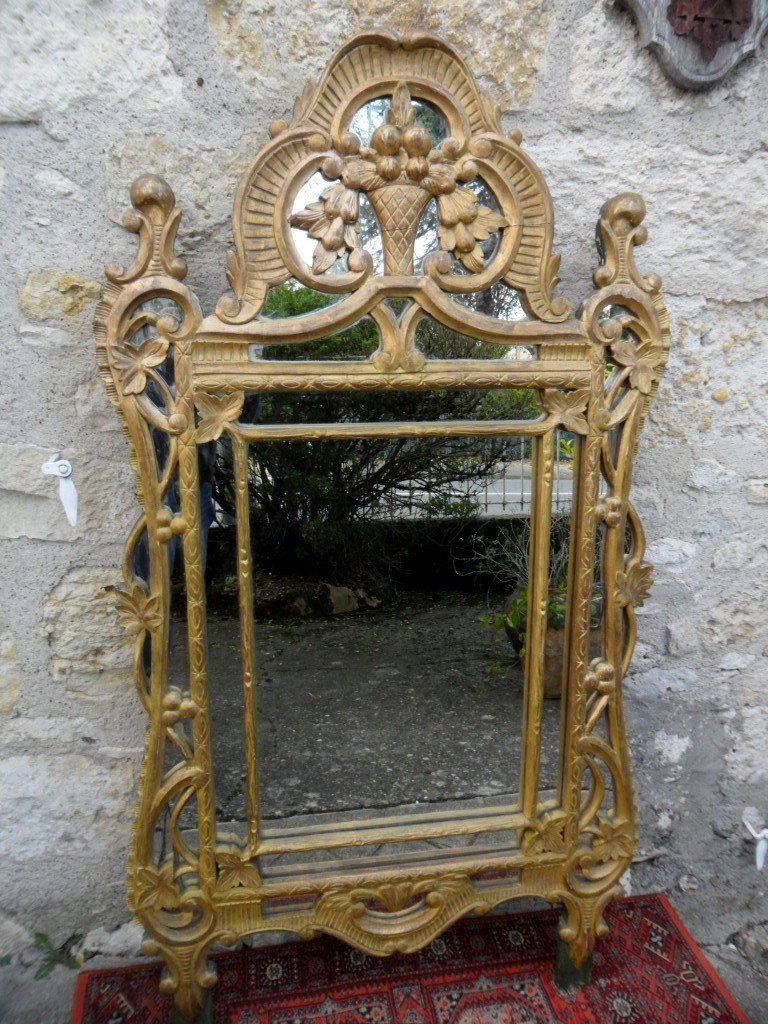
x: 457, y: 209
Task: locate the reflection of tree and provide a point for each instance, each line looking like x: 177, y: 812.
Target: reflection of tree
x: 305, y: 496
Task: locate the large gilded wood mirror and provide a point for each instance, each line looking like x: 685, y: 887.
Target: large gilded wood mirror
x: 383, y: 582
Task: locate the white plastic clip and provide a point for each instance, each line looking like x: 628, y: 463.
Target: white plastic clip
x: 762, y: 844
x: 56, y: 466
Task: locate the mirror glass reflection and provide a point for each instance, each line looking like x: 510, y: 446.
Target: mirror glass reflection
x: 389, y: 582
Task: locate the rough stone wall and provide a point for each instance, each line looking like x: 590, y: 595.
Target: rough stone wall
x: 91, y: 95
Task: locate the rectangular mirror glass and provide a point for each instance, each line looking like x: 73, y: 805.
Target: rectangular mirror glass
x: 387, y: 620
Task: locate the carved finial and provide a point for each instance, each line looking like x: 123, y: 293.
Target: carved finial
x: 150, y: 190
x: 155, y: 220
x: 619, y: 230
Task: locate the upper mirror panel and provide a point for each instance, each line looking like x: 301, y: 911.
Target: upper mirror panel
x: 396, y: 174
x: 373, y: 115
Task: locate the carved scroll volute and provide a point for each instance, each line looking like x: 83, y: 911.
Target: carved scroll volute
x: 146, y: 314
x: 156, y: 220
x: 396, y: 917
x: 629, y: 327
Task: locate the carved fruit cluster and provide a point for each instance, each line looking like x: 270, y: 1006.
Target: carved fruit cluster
x: 400, y: 153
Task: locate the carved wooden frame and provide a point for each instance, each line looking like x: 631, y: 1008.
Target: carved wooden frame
x: 596, y: 373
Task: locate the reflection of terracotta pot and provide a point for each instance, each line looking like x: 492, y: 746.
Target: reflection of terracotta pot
x: 553, y: 652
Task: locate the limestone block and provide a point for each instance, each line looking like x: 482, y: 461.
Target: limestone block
x: 757, y: 492
x: 659, y: 682
x: 52, y: 294
x: 747, y: 759
x: 13, y: 937
x: 123, y: 941
x: 91, y: 655
x: 55, y: 55
x: 202, y: 176
x: 503, y: 43
x: 10, y: 675
x: 583, y: 169
x: 609, y: 72
x: 712, y: 476
x: 684, y: 636
x: 671, y: 553
x: 735, y: 661
x: 45, y: 336
x: 29, y: 501
x: 741, y: 552
x: 51, y: 806
x: 52, y: 182
x: 670, y: 747
x: 94, y: 409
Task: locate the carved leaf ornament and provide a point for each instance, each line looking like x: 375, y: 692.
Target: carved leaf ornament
x: 634, y: 585
x: 568, y: 408
x: 216, y: 411
x: 137, y: 611
x: 613, y: 840
x: 133, y: 363
x: 642, y: 360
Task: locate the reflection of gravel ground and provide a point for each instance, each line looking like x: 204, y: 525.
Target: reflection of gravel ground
x: 413, y: 702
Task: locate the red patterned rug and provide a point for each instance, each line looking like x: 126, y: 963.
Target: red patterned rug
x: 492, y: 970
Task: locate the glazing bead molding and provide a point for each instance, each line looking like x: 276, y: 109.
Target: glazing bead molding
x: 178, y: 378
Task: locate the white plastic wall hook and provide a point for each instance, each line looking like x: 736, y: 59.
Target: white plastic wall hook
x: 762, y: 844
x: 56, y: 466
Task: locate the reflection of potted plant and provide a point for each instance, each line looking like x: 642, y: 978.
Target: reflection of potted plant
x: 506, y: 559
x: 515, y: 620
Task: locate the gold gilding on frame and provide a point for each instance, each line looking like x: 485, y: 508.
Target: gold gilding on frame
x: 595, y: 374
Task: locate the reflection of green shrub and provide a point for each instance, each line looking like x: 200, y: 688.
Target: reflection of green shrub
x: 443, y: 506
x: 517, y: 612
x: 565, y: 448
x: 305, y: 495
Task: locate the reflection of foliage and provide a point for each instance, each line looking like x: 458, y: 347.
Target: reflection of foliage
x: 565, y: 447
x: 517, y: 612
x: 443, y: 506
x: 515, y: 617
x: 304, y: 495
x: 505, y: 556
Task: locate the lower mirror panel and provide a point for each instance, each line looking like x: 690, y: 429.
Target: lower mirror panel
x: 387, y: 659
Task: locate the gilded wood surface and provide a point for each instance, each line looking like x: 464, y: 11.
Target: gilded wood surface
x: 173, y: 374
